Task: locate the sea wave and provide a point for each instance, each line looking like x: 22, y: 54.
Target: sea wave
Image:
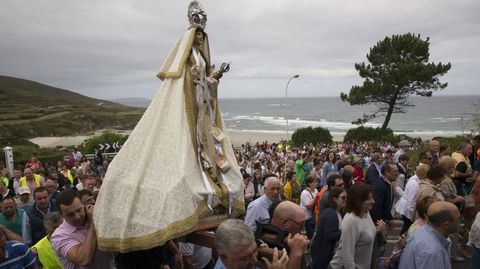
x: 298, y: 122
x: 278, y: 105
x: 438, y: 119
x: 423, y: 134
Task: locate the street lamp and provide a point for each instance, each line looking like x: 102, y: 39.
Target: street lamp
x: 286, y: 94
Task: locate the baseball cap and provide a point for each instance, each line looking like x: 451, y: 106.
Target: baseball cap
x: 404, y: 143
x: 23, y: 190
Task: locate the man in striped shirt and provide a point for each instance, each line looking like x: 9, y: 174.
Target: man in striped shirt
x: 429, y: 248
x: 14, y: 254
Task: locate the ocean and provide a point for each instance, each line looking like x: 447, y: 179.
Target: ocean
x: 434, y: 116
x: 431, y: 116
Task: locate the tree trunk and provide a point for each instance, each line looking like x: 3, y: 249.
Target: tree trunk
x: 391, y: 105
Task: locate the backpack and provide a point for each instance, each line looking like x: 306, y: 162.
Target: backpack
x: 317, y: 200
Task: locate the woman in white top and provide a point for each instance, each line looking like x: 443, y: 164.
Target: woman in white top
x: 358, y: 231
x: 407, y: 202
x: 307, y: 199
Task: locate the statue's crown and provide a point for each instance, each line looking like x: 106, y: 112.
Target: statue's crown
x: 196, y: 15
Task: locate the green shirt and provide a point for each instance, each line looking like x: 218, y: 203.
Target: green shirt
x: 16, y: 226
x: 299, y: 171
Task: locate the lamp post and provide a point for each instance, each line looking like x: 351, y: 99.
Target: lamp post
x: 286, y: 95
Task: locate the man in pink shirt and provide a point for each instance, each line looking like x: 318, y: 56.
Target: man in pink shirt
x: 74, y: 241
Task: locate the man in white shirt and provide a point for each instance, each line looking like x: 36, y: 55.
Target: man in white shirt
x: 77, y: 155
x: 404, y: 148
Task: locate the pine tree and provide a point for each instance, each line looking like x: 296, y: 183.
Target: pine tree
x: 398, y: 67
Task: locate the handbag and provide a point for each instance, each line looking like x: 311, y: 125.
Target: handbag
x: 469, y: 199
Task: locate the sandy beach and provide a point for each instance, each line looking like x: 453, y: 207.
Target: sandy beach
x: 65, y: 141
x: 240, y: 137
x: 237, y: 137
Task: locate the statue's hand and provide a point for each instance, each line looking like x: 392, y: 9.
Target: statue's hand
x: 216, y: 74
x: 196, y: 71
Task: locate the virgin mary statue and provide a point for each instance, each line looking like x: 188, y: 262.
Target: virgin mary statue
x: 178, y: 165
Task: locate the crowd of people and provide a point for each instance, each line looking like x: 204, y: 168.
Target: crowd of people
x: 328, y: 205
x: 351, y: 194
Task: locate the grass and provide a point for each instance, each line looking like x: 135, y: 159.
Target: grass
x: 30, y: 109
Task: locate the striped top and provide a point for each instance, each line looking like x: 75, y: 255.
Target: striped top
x: 17, y: 255
x: 426, y: 249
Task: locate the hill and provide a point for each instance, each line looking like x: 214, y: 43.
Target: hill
x: 135, y: 102
x: 29, y: 109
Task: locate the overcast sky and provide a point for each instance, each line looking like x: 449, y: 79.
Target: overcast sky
x: 113, y: 48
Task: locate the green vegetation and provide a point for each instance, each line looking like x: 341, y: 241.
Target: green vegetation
x: 369, y: 134
x: 107, y: 137
x: 449, y: 143
x: 398, y: 67
x: 311, y: 135
x: 30, y: 109
x: 24, y: 149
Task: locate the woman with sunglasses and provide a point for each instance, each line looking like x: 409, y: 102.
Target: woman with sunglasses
x: 328, y: 229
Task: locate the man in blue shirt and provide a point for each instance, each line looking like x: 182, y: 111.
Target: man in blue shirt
x: 14, y: 254
x: 429, y: 248
x: 257, y: 210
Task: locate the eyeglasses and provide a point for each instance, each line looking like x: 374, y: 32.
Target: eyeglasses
x: 339, y: 185
x: 300, y: 224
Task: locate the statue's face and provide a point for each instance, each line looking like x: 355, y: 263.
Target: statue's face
x: 198, y: 38
x: 198, y: 17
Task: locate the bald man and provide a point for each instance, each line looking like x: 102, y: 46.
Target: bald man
x: 290, y: 217
x: 257, y: 210
x: 429, y: 247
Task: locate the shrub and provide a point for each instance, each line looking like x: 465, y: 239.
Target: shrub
x: 450, y: 142
x: 311, y: 135
x: 107, y: 137
x: 23, y: 149
x: 453, y: 142
x: 369, y: 134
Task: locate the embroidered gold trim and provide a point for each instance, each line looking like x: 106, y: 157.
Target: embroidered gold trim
x: 165, y: 73
x: 159, y: 238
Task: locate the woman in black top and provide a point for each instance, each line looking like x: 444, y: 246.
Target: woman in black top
x: 327, y: 231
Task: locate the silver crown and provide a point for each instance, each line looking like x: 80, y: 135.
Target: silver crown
x: 196, y: 15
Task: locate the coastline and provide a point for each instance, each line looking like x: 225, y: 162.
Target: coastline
x: 237, y: 137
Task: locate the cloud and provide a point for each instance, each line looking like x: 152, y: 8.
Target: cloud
x: 112, y: 49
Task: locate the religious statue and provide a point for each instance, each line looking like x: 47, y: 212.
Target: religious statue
x: 178, y: 164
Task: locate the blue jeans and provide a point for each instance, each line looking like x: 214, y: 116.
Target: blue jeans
x: 475, y: 261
